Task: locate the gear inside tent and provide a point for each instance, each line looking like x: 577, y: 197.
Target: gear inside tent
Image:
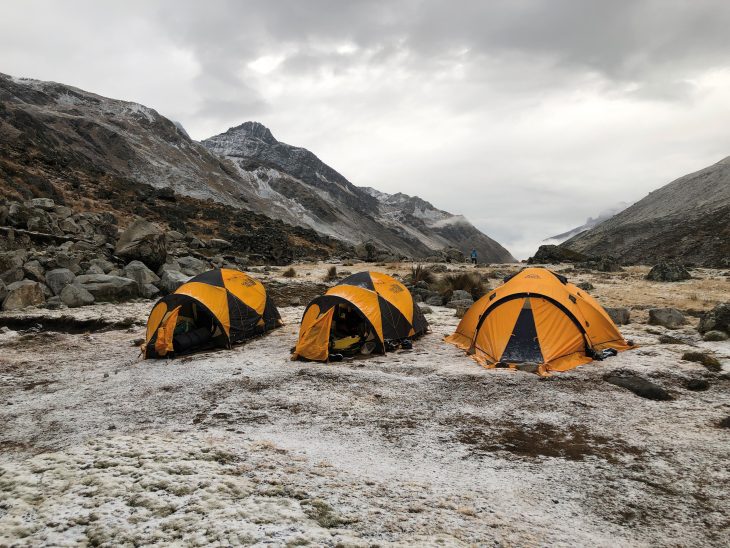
x: 365, y: 313
x: 537, y: 317
x: 217, y: 308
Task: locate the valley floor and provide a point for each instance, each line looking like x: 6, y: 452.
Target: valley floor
x: 420, y: 447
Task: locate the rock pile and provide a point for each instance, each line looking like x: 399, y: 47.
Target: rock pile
x: 668, y: 272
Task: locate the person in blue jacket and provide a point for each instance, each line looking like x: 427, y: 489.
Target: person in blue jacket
x: 474, y: 256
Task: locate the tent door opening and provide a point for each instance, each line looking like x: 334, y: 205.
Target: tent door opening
x: 523, y: 345
x: 350, y: 332
x: 189, y: 327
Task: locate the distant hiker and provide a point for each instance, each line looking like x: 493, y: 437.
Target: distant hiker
x: 473, y: 256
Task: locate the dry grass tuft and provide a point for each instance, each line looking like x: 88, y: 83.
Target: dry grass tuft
x: 467, y: 281
x: 420, y: 273
x: 331, y: 274
x: 290, y: 273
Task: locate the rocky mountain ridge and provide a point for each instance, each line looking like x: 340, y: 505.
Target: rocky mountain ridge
x: 687, y: 220
x: 307, y: 191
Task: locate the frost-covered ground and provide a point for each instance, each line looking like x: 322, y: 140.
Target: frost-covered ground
x: 416, y: 448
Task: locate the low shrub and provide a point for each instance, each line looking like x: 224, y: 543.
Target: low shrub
x: 467, y: 281
x: 420, y: 273
x: 290, y: 272
x: 331, y: 274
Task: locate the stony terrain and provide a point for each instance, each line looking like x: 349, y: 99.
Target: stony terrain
x: 687, y: 220
x: 414, y: 448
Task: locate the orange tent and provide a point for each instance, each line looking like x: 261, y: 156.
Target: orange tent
x: 536, y: 316
x: 382, y: 302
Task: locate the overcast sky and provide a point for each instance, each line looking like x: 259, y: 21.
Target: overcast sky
x: 525, y: 116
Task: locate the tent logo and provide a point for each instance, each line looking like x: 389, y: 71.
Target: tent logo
x: 533, y: 276
x: 395, y: 288
x: 248, y: 282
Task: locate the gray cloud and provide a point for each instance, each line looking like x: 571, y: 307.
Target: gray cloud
x: 527, y: 116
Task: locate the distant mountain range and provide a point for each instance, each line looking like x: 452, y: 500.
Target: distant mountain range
x: 590, y: 223
x: 54, y: 136
x: 687, y: 220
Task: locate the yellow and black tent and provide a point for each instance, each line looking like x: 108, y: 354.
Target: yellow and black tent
x: 382, y: 303
x: 220, y: 307
x: 537, y: 317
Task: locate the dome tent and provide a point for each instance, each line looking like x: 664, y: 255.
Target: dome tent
x: 217, y: 308
x: 382, y: 304
x: 536, y: 316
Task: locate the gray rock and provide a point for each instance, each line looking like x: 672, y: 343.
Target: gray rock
x: 171, y: 280
x: 69, y: 226
x: 174, y: 236
x: 715, y: 336
x: 149, y: 291
x: 668, y: 272
x: 143, y: 241
x: 75, y: 295
x: 192, y: 266
x: 460, y: 303
x: 219, y: 243
x: 425, y: 309
x: 95, y: 269
x: 461, y: 295
x: 585, y: 286
x: 106, y: 266
x: 45, y: 204
x: 452, y: 255
x: 39, y: 222
x: 63, y: 212
x: 620, y: 316
x: 18, y: 215
x: 53, y: 303
x: 3, y: 291
x: 59, y: 278
x: 460, y: 311
x: 12, y: 275
x: 34, y: 271
x: 137, y: 271
x: 439, y: 268
x: 670, y: 318
x: 66, y: 260
x: 108, y: 288
x: 638, y: 385
x: 22, y: 294
x: 717, y: 319
x: 195, y: 243
x: 435, y: 300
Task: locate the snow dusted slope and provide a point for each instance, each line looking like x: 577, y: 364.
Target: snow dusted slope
x: 307, y: 191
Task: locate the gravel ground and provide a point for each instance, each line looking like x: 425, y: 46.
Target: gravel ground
x: 421, y: 447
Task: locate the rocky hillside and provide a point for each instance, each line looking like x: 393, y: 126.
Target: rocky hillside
x: 94, y: 155
x: 590, y: 223
x: 304, y: 190
x: 55, y: 138
x: 687, y: 220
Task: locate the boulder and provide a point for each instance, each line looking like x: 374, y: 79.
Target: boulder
x: 108, y: 288
x: 715, y: 336
x: 697, y: 385
x: 171, y: 280
x: 605, y: 263
x: 435, y: 300
x: 425, y: 309
x: 95, y: 269
x: 22, y: 294
x: 58, y: 278
x: 75, y: 295
x: 717, y: 319
x: 638, y: 385
x: 18, y: 215
x: 452, y: 255
x: 12, y: 275
x: 192, y: 266
x: 367, y: 251
x: 143, y: 241
x: 461, y: 295
x: 174, y: 236
x: 670, y: 318
x: 620, y: 316
x: 63, y: 212
x: 195, y: 243
x: 554, y: 254
x: 34, y: 271
x: 45, y: 204
x: 39, y: 221
x: 585, y: 286
x: 219, y: 243
x: 668, y: 272
x: 53, y: 303
x: 68, y: 226
x: 149, y: 291
x: 137, y: 271
x: 106, y: 266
